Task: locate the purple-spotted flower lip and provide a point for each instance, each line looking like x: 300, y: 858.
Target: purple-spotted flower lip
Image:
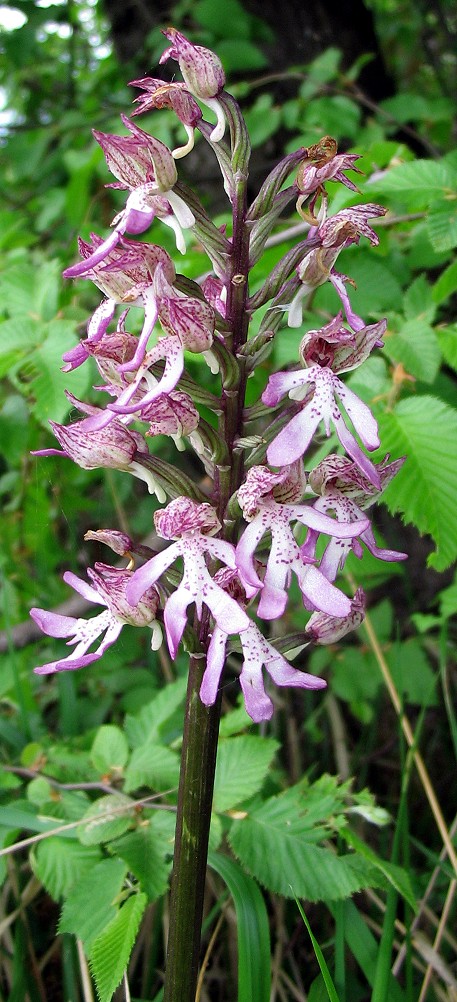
x: 138, y: 159
x: 285, y: 556
x: 321, y: 388
x: 258, y: 653
x: 160, y: 94
x: 341, y: 474
x: 335, y: 347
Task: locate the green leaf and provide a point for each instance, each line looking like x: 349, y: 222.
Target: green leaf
x: 446, y: 284
x: 145, y: 855
x: 419, y: 181
x: 365, y: 948
x: 395, y: 875
x: 418, y: 300
x: 447, y: 340
x: 242, y: 764
x: 416, y: 347
x: 412, y: 674
x: 147, y: 725
x: 152, y: 765
x: 442, y: 225
x: 330, y: 987
x: 39, y: 376
x: 240, y: 55
x: 106, y: 819
x: 110, y: 953
x: 425, y: 430
x: 91, y: 903
x: 59, y: 864
x: 274, y: 842
x: 254, y: 981
x: 110, y: 751
x: 263, y: 119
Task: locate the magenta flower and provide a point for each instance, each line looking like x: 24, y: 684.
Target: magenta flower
x: 339, y: 349
x: 191, y: 525
x: 285, y: 556
x: 108, y: 588
x: 203, y: 73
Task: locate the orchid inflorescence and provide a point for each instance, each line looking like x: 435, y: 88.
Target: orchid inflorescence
x: 237, y: 539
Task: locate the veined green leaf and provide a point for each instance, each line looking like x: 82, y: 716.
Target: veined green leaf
x: 110, y: 953
x: 91, y: 902
x: 395, y: 875
x: 146, y: 726
x: 110, y: 749
x: 152, y: 765
x: 242, y: 764
x: 276, y: 843
x: 107, y: 818
x: 447, y: 340
x: 59, y: 864
x: 145, y: 855
x: 416, y: 347
x: 419, y: 181
x: 425, y: 430
x: 442, y: 224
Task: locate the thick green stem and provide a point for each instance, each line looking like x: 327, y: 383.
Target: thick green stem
x: 201, y: 727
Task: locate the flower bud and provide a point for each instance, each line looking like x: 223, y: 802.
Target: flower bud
x: 202, y: 69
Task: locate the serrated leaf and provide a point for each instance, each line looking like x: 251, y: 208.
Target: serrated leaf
x: 416, y: 347
x: 110, y: 750
x: 419, y: 181
x: 152, y: 765
x: 146, y: 726
x: 58, y: 864
x: 91, y: 903
x: 275, y: 844
x: 418, y: 300
x: 106, y: 819
x: 442, y: 225
x: 110, y: 953
x: 241, y: 767
x: 424, y: 490
x: 145, y: 856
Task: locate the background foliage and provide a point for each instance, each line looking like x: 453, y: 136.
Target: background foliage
x: 91, y: 762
